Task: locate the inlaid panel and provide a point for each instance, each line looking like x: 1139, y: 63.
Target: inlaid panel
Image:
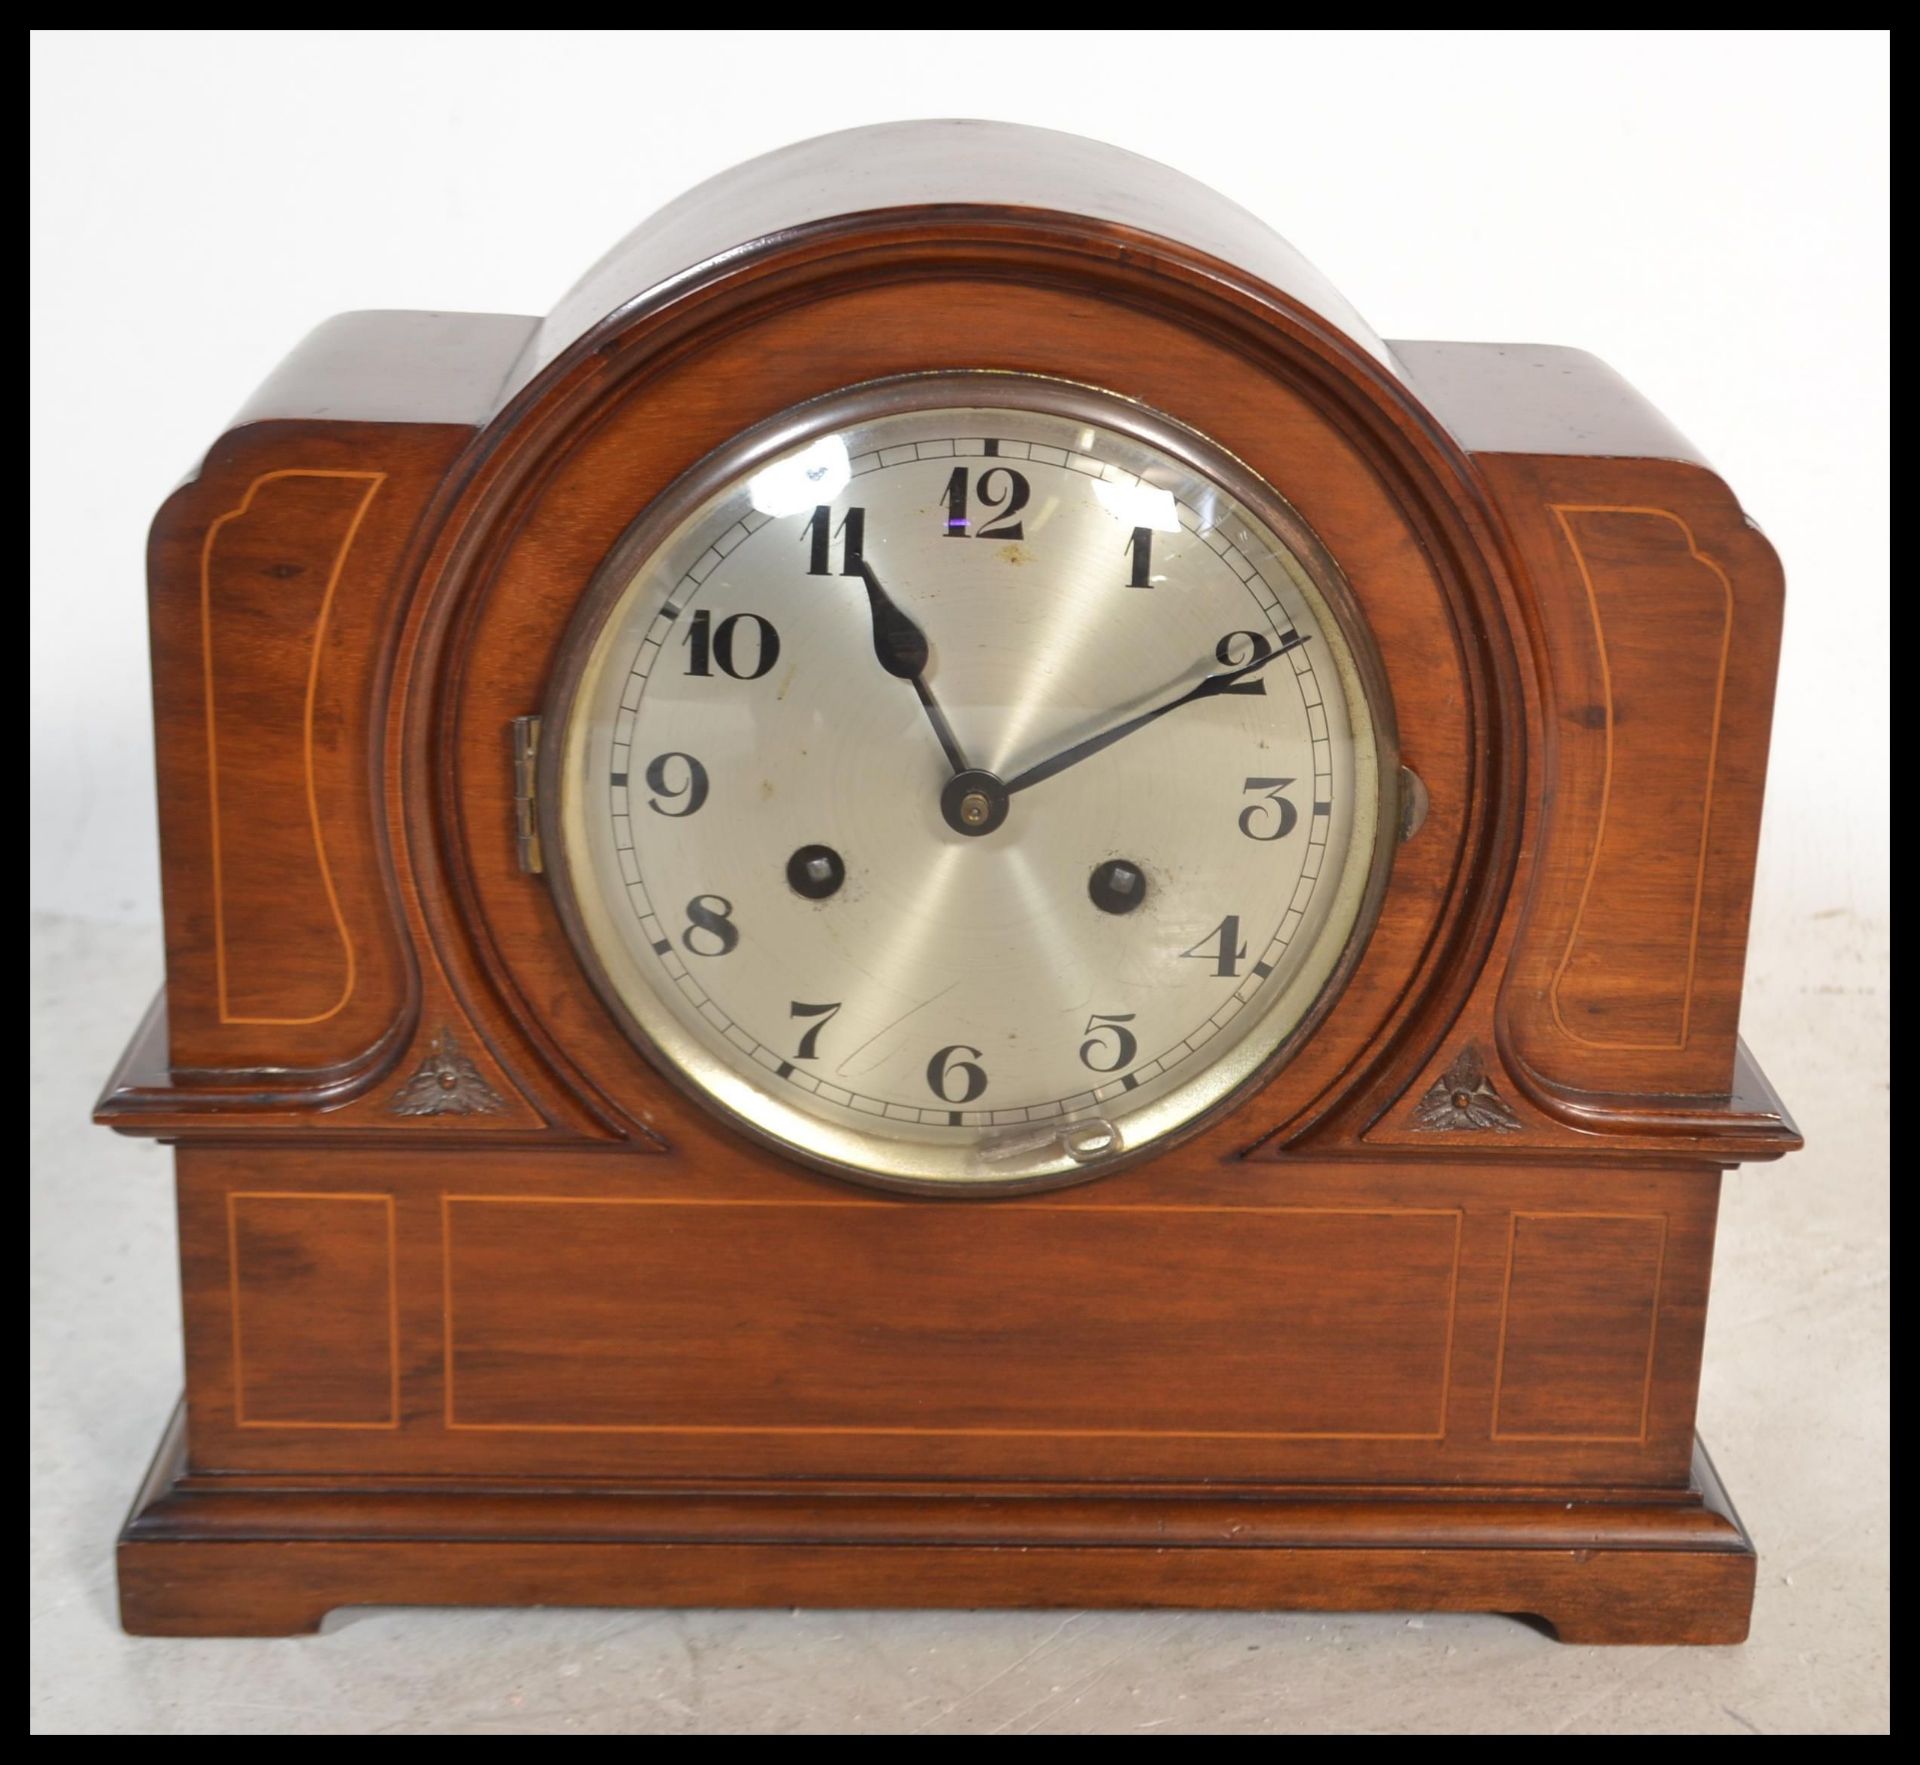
x: 268, y: 576
x: 1577, y: 1330
x: 872, y: 1317
x: 1659, y: 606
x: 314, y: 1308
x: 1662, y: 618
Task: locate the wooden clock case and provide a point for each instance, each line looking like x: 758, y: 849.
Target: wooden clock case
x: 480, y: 1309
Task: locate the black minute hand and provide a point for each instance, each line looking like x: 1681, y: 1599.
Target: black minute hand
x: 1208, y: 688
x: 902, y: 649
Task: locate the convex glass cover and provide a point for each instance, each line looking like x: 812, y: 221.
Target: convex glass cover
x: 968, y: 779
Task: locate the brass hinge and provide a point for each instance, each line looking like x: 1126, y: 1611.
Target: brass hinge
x: 526, y: 815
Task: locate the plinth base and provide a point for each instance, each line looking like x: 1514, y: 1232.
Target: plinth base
x: 233, y: 1556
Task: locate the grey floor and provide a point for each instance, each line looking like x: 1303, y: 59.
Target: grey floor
x: 1794, y: 1406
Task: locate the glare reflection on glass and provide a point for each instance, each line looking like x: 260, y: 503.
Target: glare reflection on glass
x: 815, y: 475
x: 1139, y: 505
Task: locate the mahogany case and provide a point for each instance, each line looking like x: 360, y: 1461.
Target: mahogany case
x: 479, y: 1308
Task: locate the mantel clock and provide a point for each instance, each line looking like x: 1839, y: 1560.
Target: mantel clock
x: 949, y: 899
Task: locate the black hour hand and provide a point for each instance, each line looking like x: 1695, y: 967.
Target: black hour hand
x: 898, y: 642
x: 901, y: 648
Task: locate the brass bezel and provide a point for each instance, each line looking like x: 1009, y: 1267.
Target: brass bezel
x: 875, y: 1160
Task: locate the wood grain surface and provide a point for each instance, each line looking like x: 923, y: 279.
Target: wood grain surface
x: 1418, y: 1320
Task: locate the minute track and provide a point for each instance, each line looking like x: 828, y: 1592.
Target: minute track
x: 900, y: 644
x: 1018, y: 643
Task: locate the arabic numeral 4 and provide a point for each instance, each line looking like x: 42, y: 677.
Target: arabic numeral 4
x: 1222, y: 947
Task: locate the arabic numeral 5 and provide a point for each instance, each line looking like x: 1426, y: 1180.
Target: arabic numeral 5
x: 1123, y: 1047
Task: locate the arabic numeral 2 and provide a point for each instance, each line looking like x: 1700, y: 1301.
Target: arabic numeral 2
x: 1230, y: 652
x: 1222, y: 947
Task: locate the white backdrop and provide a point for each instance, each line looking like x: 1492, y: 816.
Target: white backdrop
x: 1707, y: 212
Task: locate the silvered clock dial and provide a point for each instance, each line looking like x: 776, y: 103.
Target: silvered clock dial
x: 968, y: 780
